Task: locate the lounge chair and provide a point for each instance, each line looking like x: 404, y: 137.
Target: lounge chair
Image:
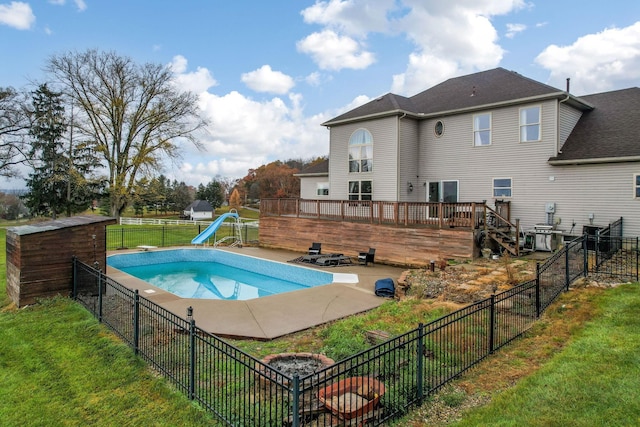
x: 365, y: 258
x: 311, y: 258
x: 333, y: 259
x: 315, y: 249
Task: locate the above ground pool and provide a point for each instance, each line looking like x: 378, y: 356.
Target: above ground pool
x: 216, y: 274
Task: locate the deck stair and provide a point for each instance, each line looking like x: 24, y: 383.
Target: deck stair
x: 499, y: 228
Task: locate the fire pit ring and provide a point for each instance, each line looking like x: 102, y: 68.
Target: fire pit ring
x: 290, y: 364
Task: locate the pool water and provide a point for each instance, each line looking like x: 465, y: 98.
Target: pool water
x: 215, y: 274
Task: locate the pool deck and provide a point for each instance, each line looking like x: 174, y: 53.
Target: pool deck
x: 276, y: 315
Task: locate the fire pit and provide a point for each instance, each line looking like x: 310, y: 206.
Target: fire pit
x: 290, y: 364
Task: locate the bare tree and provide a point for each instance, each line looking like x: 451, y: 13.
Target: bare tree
x: 135, y: 114
x: 14, y: 125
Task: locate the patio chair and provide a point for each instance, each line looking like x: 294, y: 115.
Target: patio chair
x: 333, y: 259
x: 365, y: 258
x: 315, y: 249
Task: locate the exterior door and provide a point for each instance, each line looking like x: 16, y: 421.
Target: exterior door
x: 443, y: 191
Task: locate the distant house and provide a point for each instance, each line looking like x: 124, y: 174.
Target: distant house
x: 199, y: 209
x: 493, y: 135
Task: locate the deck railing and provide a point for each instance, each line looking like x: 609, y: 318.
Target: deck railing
x: 429, y: 214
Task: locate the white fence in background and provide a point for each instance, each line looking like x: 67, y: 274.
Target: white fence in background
x: 159, y: 221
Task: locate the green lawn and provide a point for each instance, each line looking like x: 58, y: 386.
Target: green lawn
x: 58, y: 366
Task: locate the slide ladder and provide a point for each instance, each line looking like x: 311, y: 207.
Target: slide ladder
x: 205, y: 235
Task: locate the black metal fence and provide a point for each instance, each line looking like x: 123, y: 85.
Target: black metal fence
x: 119, y: 237
x: 368, y: 388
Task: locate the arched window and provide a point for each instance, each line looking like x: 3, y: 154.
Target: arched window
x: 361, y: 151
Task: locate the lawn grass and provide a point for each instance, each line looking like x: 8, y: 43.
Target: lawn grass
x: 579, y: 365
x: 594, y: 381
x: 58, y: 366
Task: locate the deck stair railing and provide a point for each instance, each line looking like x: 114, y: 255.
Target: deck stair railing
x: 499, y: 228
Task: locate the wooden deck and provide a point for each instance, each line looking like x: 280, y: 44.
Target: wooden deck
x: 402, y: 246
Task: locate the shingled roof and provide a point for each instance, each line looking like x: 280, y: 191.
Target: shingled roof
x: 497, y: 86
x: 317, y: 169
x: 610, y: 132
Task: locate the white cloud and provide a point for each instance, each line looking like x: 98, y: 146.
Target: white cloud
x: 80, y: 4
x: 354, y: 17
x: 334, y: 52
x: 246, y: 133
x: 17, y: 15
x: 449, y: 39
x: 264, y: 79
x: 513, y: 29
x: 596, y: 62
x: 197, y: 81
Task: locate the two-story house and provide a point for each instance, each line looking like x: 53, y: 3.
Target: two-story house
x: 494, y: 135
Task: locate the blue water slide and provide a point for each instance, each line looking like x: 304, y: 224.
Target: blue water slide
x: 212, y: 228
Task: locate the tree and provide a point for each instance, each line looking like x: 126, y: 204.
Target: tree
x: 234, y: 200
x: 48, y: 183
x: 14, y: 125
x: 276, y: 180
x: 135, y: 114
x: 62, y: 178
x: 212, y: 193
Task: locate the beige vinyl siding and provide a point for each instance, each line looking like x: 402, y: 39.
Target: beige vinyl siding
x: 453, y: 156
x: 385, y: 159
x: 309, y: 186
x: 568, y: 117
x: 408, y: 159
x: 606, y: 190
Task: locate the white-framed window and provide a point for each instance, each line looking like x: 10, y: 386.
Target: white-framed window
x: 502, y: 187
x: 482, y: 129
x: 636, y: 185
x: 530, y: 124
x: 322, y: 189
x: 360, y: 190
x: 361, y: 151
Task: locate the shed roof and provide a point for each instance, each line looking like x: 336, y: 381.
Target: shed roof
x: 59, y: 224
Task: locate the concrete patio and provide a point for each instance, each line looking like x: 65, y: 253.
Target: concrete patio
x: 276, y: 315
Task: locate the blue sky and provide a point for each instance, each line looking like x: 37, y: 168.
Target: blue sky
x: 270, y: 72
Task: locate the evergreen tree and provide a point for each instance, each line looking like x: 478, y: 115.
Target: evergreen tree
x: 48, y: 183
x: 62, y: 178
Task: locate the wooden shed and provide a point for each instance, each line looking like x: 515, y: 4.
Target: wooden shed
x: 39, y: 256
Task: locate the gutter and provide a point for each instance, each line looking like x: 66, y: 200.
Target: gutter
x: 594, y: 161
x: 398, y: 112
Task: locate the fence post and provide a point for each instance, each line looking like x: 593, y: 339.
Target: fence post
x: 99, y: 296
x: 74, y: 276
x: 122, y: 237
x: 163, y: 227
x: 136, y: 321
x: 492, y: 321
x: 537, y: 289
x: 420, y: 365
x: 192, y: 353
x: 585, y: 250
x: 295, y: 410
x: 597, y: 249
x: 567, y: 273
